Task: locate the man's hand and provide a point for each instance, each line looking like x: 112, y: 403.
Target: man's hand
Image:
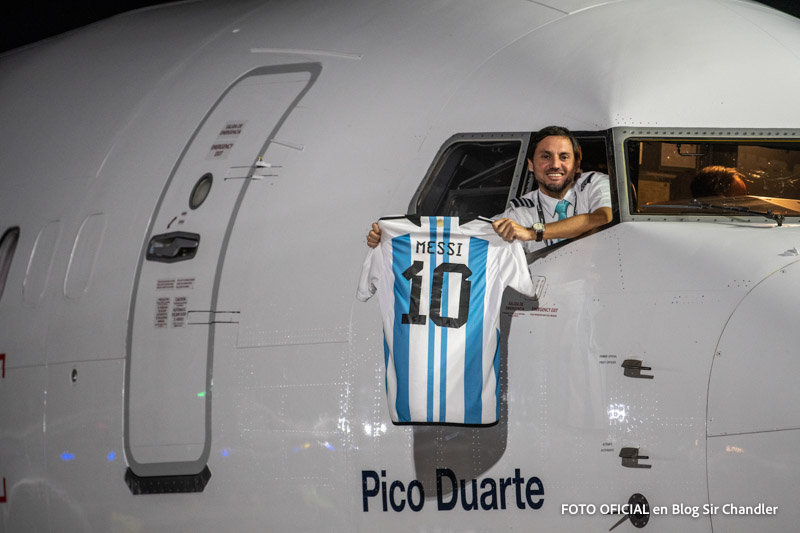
x: 374, y: 236
x: 510, y: 230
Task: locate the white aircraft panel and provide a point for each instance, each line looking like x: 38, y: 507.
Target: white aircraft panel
x: 754, y: 377
x: 614, y: 88
x: 280, y: 248
x: 23, y: 474
x: 272, y: 418
x: 756, y: 471
x: 84, y: 403
x: 577, y: 391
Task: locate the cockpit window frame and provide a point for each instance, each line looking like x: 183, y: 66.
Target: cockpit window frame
x: 624, y: 135
x: 431, y: 175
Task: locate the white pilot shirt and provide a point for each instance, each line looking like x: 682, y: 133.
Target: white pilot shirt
x: 590, y: 192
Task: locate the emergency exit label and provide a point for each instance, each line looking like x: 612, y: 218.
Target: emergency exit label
x: 224, y: 142
x: 232, y: 129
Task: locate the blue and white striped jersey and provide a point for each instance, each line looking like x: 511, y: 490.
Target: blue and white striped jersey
x: 440, y: 285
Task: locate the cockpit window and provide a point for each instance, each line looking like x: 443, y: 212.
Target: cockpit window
x: 472, y: 177
x: 713, y: 177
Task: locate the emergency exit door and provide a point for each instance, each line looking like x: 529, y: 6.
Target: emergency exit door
x: 168, y: 392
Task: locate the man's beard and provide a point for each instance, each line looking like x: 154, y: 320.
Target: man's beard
x: 557, y: 189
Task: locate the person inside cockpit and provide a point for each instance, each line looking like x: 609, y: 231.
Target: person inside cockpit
x: 718, y: 181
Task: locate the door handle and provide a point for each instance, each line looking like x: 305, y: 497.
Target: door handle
x: 630, y: 458
x: 173, y: 247
x: 633, y: 369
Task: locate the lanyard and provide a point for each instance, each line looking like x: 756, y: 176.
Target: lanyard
x: 540, y: 212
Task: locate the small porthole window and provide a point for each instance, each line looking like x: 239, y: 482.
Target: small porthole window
x: 200, y: 191
x: 7, y: 246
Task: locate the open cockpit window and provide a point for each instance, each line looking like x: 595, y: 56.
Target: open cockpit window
x: 670, y: 176
x: 472, y: 176
x: 8, y: 243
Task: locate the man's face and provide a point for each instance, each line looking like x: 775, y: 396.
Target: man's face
x: 554, y: 165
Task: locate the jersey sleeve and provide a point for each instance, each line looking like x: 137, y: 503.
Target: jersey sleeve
x: 370, y: 271
x: 373, y: 268
x: 519, y: 275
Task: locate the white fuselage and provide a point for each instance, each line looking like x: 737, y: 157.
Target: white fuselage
x: 254, y: 359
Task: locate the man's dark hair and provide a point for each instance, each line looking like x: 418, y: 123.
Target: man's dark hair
x: 559, y: 131
x: 714, y: 181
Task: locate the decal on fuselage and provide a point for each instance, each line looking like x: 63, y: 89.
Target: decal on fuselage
x: 487, y: 494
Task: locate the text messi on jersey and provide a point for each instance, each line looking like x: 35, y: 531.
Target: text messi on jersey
x: 439, y: 248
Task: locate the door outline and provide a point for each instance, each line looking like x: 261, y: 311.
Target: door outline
x: 196, y: 468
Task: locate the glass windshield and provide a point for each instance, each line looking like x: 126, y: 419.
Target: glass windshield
x: 712, y: 177
x: 472, y: 178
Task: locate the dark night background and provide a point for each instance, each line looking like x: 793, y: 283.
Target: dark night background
x: 31, y: 21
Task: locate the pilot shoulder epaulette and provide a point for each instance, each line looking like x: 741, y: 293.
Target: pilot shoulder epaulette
x: 586, y: 181
x: 522, y: 202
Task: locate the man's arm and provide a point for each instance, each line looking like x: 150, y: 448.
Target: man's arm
x: 563, y: 229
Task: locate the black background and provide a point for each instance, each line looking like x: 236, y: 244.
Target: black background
x: 34, y: 20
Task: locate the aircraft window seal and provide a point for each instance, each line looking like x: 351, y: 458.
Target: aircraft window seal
x: 8, y: 244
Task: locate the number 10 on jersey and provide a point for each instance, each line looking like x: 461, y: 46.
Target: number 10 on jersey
x: 413, y: 316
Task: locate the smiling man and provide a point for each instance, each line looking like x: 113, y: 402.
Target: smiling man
x: 563, y: 206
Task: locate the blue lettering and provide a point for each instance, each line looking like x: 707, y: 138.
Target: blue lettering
x: 539, y: 491
x: 491, y: 492
x: 446, y: 506
x: 504, y: 483
x: 400, y: 495
x: 395, y: 506
x: 473, y: 505
x: 518, y: 482
x: 416, y: 507
x: 365, y: 492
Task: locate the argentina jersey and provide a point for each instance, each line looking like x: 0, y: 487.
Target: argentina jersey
x: 440, y: 285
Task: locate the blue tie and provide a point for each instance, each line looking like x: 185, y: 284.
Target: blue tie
x: 561, y: 209
x: 561, y: 212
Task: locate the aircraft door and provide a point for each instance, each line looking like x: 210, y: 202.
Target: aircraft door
x: 168, y: 389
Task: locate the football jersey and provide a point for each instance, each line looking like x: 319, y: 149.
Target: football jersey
x: 440, y: 285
